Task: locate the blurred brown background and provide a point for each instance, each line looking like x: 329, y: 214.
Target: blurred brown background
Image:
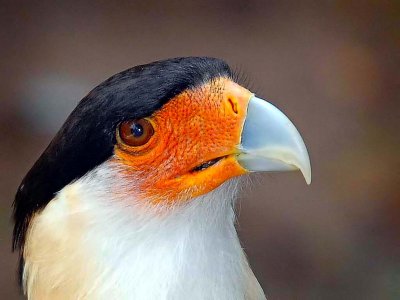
x: 331, y: 66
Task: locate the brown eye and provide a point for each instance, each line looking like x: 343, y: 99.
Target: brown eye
x: 136, y: 132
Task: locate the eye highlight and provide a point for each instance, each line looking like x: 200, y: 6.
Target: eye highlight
x: 135, y: 132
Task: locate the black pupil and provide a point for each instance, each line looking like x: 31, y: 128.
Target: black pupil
x: 137, y: 130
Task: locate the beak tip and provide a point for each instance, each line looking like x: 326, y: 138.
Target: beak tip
x: 307, y: 177
x: 306, y: 170
x: 305, y: 167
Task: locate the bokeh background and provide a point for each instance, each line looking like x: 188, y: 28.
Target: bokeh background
x: 331, y: 66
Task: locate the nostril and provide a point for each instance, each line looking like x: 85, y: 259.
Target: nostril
x: 233, y: 104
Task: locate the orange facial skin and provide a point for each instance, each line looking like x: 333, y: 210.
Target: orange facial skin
x: 194, y: 127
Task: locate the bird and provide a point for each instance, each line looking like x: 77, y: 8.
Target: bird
x: 134, y: 197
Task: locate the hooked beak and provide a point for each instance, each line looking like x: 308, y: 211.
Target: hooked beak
x: 270, y: 142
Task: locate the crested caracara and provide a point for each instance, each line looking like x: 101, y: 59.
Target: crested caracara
x: 134, y: 196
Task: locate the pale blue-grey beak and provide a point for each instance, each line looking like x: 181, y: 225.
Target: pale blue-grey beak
x: 270, y: 142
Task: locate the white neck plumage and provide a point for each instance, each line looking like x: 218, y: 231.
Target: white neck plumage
x: 84, y: 245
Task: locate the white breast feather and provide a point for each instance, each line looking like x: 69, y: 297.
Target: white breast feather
x: 96, y: 240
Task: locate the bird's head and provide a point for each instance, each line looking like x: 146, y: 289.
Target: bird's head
x: 196, y: 141
x: 171, y: 131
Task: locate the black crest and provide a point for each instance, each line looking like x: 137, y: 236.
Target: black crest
x: 87, y: 138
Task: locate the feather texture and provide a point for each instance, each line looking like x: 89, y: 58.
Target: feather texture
x: 98, y: 240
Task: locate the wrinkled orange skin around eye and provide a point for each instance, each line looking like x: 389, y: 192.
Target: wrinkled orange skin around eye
x: 194, y: 127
